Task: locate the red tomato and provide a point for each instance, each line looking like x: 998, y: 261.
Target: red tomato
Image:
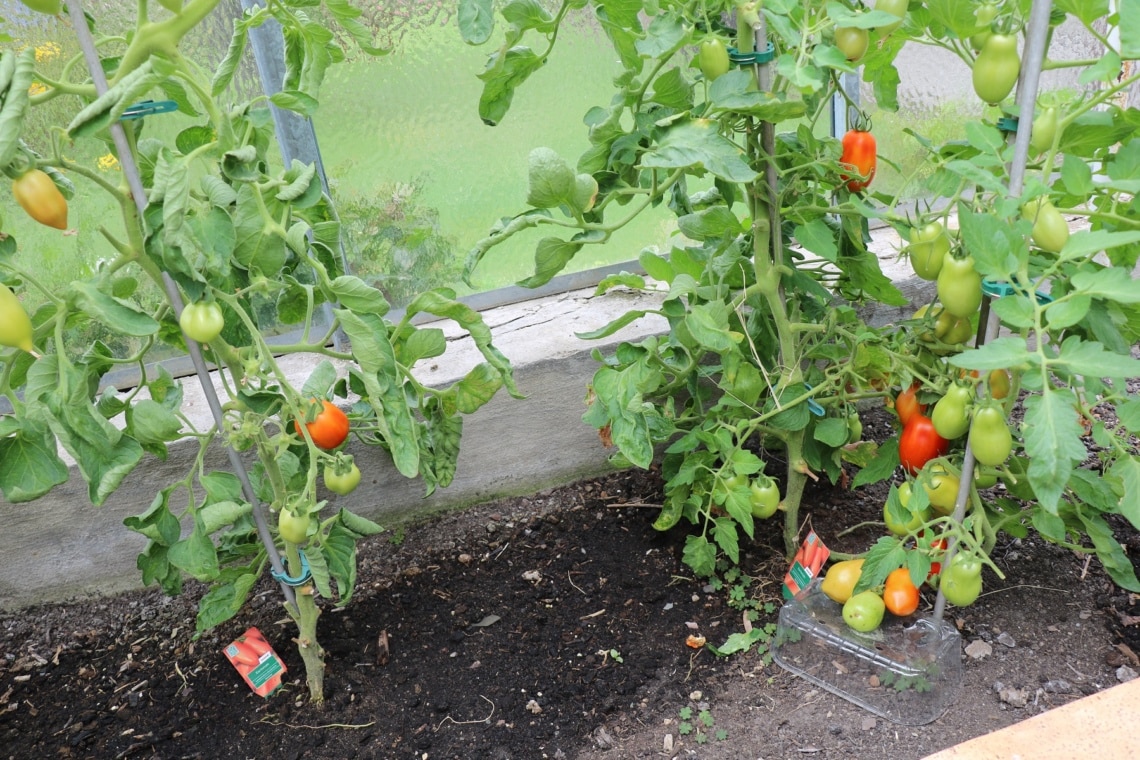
x: 859, y: 154
x: 329, y: 429
x: 919, y: 443
x: 900, y: 595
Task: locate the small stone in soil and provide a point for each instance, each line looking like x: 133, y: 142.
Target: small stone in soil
x: 1125, y: 674
x: 978, y: 649
x: 1006, y: 640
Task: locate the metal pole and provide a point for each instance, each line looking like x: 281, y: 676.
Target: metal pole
x: 1036, y: 34
x: 134, y: 181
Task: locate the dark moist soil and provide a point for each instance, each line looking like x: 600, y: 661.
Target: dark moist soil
x: 552, y: 626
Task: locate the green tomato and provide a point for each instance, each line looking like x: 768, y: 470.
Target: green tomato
x: 959, y: 286
x: 1050, y: 230
x: 713, y: 58
x: 960, y: 331
x: 916, y: 518
x: 50, y: 7
x: 202, y: 321
x: 852, y: 42
x: 985, y: 477
x: 996, y: 68
x: 984, y: 15
x: 928, y: 247
x: 951, y: 416
x: 15, y: 326
x: 764, y: 497
x: 293, y: 527
x: 895, y: 8
x: 961, y: 583
x: 1044, y: 130
x: 990, y: 438
x: 942, y: 490
x: 864, y: 611
x: 343, y: 481
x: 854, y: 427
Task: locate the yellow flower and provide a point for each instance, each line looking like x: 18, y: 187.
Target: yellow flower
x: 107, y: 162
x: 36, y: 88
x: 47, y: 51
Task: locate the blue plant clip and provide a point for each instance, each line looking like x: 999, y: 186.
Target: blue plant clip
x: 814, y: 406
x: 1000, y: 289
x: 300, y: 580
x: 147, y: 108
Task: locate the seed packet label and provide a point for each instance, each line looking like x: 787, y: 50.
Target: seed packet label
x: 256, y: 661
x: 805, y: 565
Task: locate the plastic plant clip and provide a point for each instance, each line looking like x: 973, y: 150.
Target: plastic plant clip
x: 147, y: 108
x: 909, y: 670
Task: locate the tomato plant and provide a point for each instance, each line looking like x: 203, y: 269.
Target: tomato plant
x: 755, y: 364
x: 204, y: 212
x: 202, y: 321
x: 859, y: 155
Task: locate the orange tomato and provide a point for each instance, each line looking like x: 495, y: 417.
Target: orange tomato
x: 906, y: 404
x: 900, y: 595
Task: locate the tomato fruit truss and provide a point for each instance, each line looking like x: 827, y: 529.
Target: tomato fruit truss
x: 996, y: 68
x: 929, y: 245
x: 202, y: 321
x: 40, y: 198
x: 951, y: 415
x: 919, y: 443
x: 900, y: 595
x: 907, y: 405
x: 990, y: 437
x: 859, y: 155
x: 342, y: 476
x: 961, y: 583
x: 329, y: 428
x: 713, y: 58
x: 15, y: 326
x: 959, y: 286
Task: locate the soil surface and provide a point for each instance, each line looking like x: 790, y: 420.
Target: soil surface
x: 553, y: 626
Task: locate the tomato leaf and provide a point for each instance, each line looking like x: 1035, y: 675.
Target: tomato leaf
x: 1053, y: 443
x: 881, y: 466
x: 698, y: 145
x: 700, y: 555
x: 1109, y: 551
x: 225, y: 598
x: 885, y: 555
x: 29, y: 464
x: 724, y: 533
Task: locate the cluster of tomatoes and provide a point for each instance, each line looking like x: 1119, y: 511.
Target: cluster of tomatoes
x: 865, y: 611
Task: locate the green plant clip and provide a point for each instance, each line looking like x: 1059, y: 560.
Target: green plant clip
x: 1007, y: 123
x: 1000, y: 289
x: 147, y: 108
x: 288, y: 580
x: 749, y: 59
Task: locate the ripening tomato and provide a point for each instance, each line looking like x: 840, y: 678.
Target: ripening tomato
x: 864, y: 611
x: 919, y: 443
x: 713, y: 58
x: 990, y: 438
x: 900, y: 595
x: 858, y: 154
x: 841, y: 578
x: 329, y: 429
x: 942, y: 489
x: 996, y: 68
x: 959, y: 286
x: 928, y: 247
x: 906, y: 404
x: 852, y: 42
x: 37, y: 194
x: 998, y: 384
x: 15, y: 326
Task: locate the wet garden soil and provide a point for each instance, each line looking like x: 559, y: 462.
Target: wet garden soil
x: 552, y: 626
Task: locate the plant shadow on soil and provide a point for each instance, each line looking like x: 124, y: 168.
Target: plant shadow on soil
x: 552, y: 626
